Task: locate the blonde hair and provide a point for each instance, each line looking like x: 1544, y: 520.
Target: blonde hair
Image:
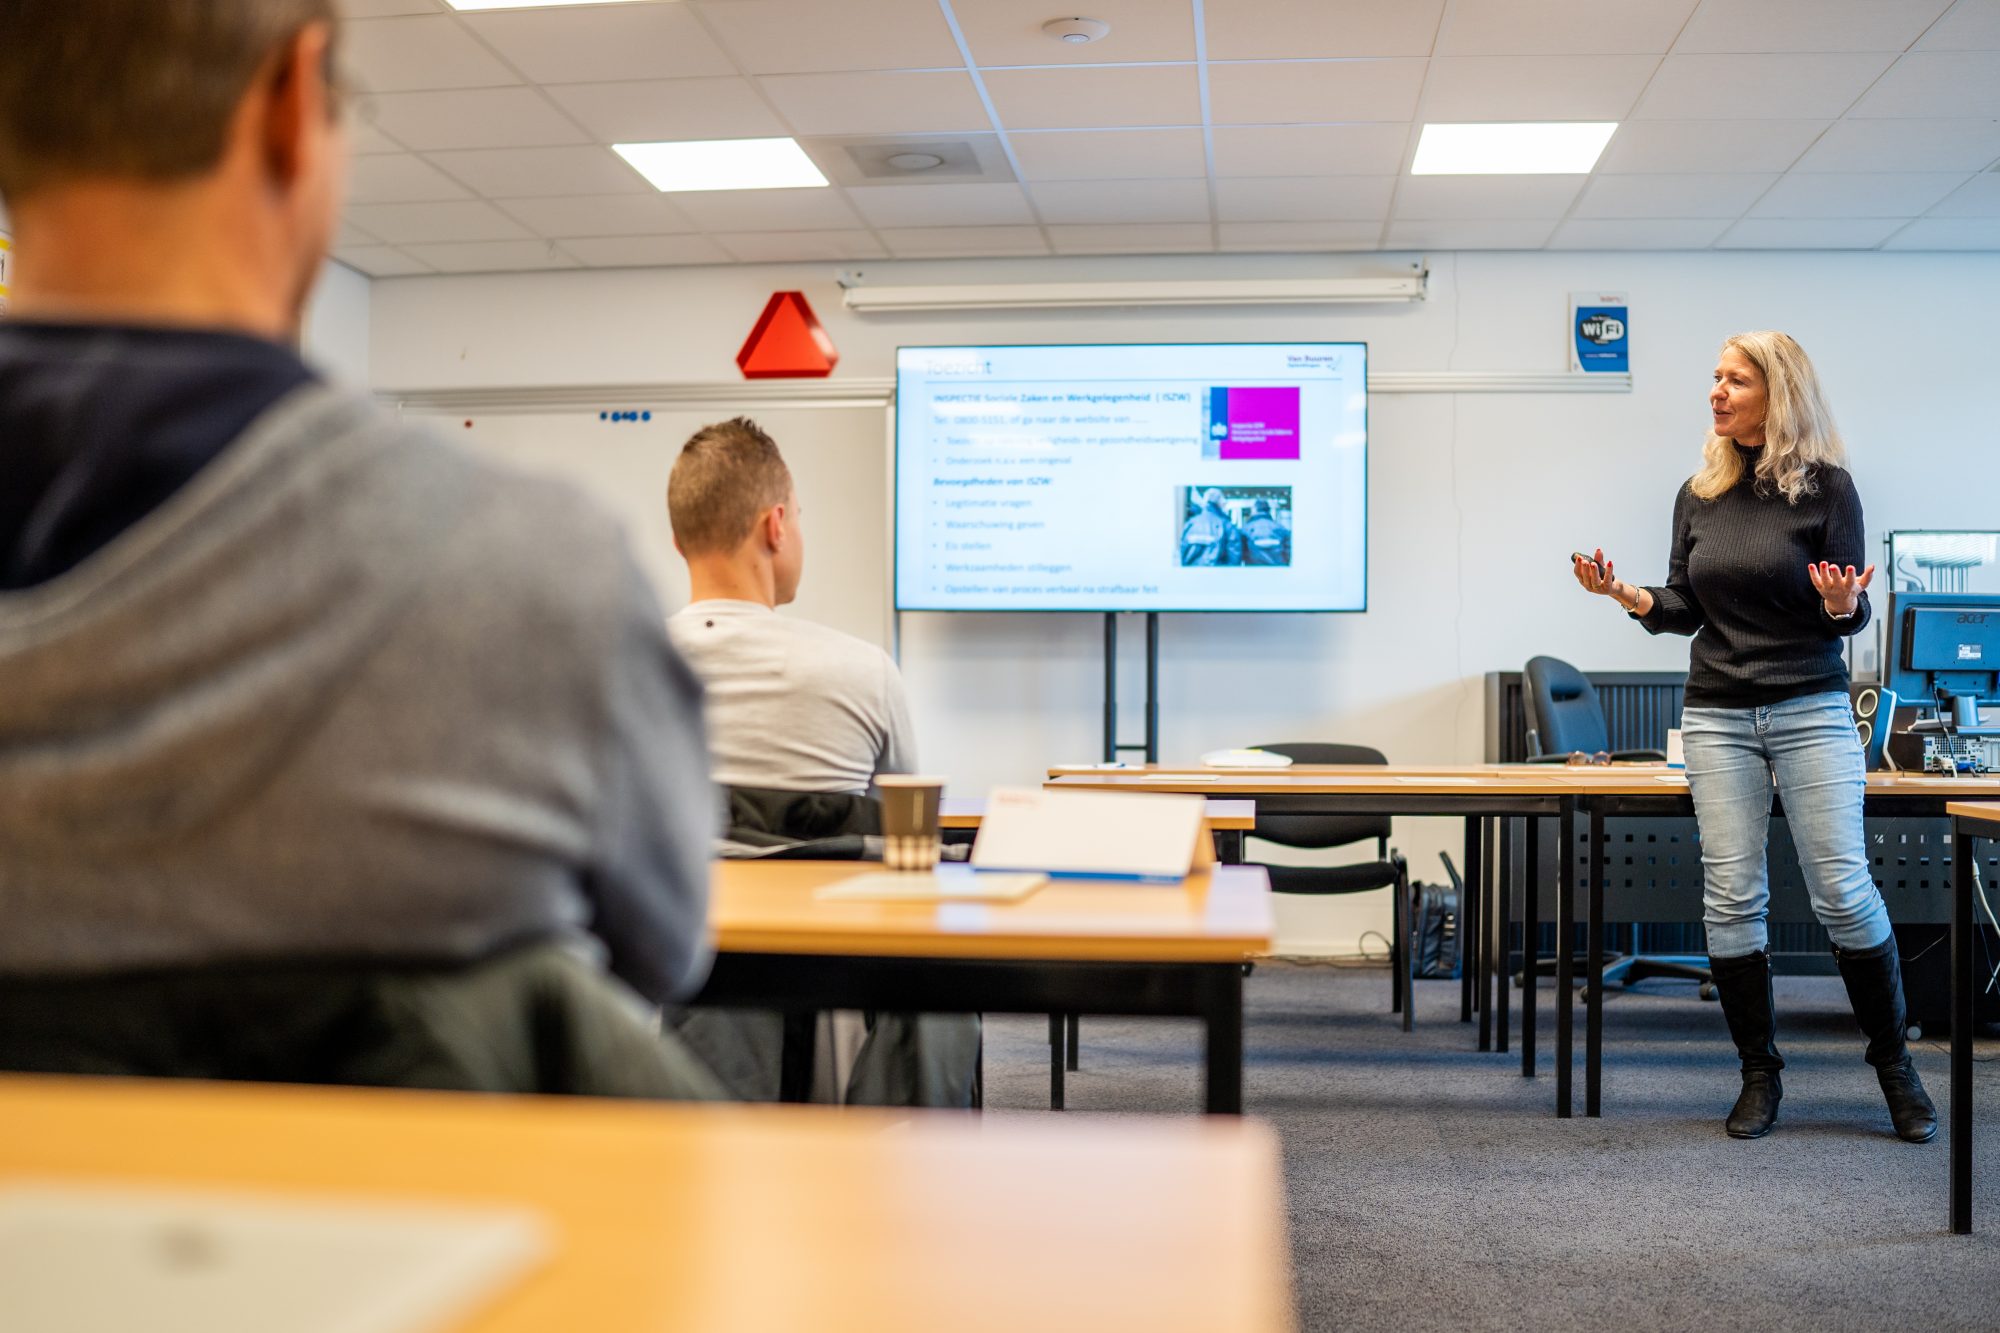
x: 1799, y: 434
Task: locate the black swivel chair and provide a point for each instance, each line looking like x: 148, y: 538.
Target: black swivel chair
x: 1566, y: 718
x: 1387, y: 871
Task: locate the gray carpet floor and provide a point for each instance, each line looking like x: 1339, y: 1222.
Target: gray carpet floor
x: 1431, y: 1187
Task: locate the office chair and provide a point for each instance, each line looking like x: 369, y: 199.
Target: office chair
x: 1387, y: 871
x: 1566, y: 718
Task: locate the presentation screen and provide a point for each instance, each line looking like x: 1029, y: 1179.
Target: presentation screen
x: 1150, y: 477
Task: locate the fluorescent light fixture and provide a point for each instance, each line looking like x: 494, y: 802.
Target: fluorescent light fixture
x: 723, y: 164
x: 531, y: 4
x: 1100, y: 295
x: 1542, y: 148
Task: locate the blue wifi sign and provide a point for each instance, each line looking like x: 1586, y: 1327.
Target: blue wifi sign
x: 1600, y: 332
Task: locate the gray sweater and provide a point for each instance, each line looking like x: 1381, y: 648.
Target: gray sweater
x: 350, y: 695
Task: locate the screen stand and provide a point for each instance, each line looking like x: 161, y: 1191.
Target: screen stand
x: 1112, y: 749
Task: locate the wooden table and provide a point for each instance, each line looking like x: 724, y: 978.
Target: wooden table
x: 1073, y: 946
x: 1970, y: 821
x: 666, y: 1218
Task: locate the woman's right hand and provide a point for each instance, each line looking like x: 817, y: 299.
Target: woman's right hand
x: 1598, y: 576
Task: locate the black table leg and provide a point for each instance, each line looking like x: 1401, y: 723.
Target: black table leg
x: 1531, y: 940
x: 1229, y: 846
x: 795, y: 1058
x: 1468, y: 919
x: 1964, y: 926
x: 1405, y: 956
x: 1056, y: 1062
x: 1074, y: 1039
x: 1502, y: 908
x: 1565, y: 957
x: 1593, y: 1009
x: 1482, y: 943
x: 1222, y: 1019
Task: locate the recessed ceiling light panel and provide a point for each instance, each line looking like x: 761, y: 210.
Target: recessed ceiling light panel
x: 1553, y: 148
x: 723, y: 164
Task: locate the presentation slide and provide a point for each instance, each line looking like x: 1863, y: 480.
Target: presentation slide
x: 1156, y: 477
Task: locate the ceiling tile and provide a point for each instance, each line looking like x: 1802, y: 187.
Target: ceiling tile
x: 1310, y: 92
x: 398, y: 55
x: 493, y: 256
x: 474, y: 118
x: 1937, y: 83
x: 600, y: 43
x: 1977, y: 198
x: 770, y: 210
x: 969, y: 242
x: 656, y: 110
x: 1972, y: 25
x: 800, y: 247
x: 1264, y: 236
x: 1009, y: 32
x: 1158, y: 238
x: 1905, y: 145
x: 381, y: 261
x: 1296, y: 150
x: 1947, y: 234
x: 398, y: 178
x: 895, y: 103
x: 347, y: 236
x: 1752, y: 26
x: 1486, y: 198
x: 599, y: 215
x: 1122, y: 201
x: 1479, y: 88
x: 1304, y: 198
x: 646, y: 251
x: 524, y: 173
x: 1561, y: 27
x: 1761, y: 87
x: 813, y: 36
x: 1095, y: 98
x: 461, y: 220
x: 1320, y: 29
x: 1658, y: 195
x: 940, y: 205
x: 1109, y: 154
x: 1631, y: 234
x: 1469, y: 235
x: 363, y: 139
x: 1807, y: 234
x: 1857, y: 194
x: 368, y: 9
x: 1708, y: 145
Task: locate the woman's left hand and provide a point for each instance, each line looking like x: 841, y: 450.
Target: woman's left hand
x: 1839, y: 588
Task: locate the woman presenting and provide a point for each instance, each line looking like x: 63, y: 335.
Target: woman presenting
x: 1767, y: 537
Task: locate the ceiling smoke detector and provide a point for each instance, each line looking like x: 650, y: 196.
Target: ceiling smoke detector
x: 915, y: 161
x: 1076, y: 32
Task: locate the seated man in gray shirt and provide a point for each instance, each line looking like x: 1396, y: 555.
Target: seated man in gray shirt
x: 793, y: 707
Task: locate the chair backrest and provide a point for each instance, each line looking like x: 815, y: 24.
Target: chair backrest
x: 1322, y: 830
x: 1564, y: 714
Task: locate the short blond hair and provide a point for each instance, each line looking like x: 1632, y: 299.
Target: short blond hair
x: 727, y: 474
x: 139, y: 89
x: 1799, y: 434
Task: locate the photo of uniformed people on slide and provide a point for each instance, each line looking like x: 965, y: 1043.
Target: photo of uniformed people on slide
x: 1236, y: 525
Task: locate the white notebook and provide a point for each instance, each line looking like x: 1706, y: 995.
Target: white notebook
x: 947, y: 884
x: 1125, y: 835
x: 88, y: 1259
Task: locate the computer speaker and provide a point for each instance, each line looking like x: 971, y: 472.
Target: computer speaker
x: 1874, y: 714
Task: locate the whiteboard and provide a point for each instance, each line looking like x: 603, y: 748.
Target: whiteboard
x: 839, y: 462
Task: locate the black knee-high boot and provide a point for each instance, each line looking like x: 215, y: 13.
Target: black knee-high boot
x: 1744, y: 985
x: 1874, y: 980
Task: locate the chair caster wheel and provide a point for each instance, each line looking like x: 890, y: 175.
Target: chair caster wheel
x: 1708, y: 990
x: 1914, y: 1032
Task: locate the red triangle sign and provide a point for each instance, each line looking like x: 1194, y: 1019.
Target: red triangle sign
x: 787, y: 343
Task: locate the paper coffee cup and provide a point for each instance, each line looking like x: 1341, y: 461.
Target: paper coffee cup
x: 1676, y: 756
x: 910, y: 834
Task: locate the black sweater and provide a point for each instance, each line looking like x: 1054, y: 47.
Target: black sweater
x: 1737, y: 575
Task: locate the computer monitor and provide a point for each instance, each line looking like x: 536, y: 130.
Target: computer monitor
x: 1941, y: 641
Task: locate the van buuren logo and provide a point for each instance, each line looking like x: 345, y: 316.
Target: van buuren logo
x: 1601, y: 328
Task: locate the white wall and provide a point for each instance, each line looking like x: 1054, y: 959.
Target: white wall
x: 1476, y: 499
x: 337, y: 331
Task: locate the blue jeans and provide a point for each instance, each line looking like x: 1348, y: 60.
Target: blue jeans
x: 1809, y: 745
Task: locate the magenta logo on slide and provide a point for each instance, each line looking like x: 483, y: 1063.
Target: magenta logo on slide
x: 1260, y: 423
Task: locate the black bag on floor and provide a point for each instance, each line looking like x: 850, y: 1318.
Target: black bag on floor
x: 1434, y: 925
